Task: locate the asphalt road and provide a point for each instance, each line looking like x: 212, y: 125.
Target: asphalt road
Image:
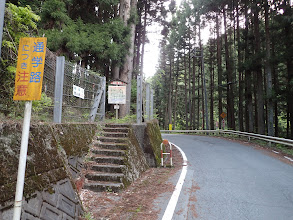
x: 226, y: 180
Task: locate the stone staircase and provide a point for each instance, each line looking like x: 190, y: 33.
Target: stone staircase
x: 106, y: 172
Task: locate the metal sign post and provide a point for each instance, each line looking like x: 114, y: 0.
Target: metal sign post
x: 22, y: 160
x: 28, y: 87
x: 139, y: 100
x: 2, y: 12
x: 117, y: 108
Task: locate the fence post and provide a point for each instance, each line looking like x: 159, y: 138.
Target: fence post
x: 60, y: 62
x: 152, y: 105
x: 100, y: 97
x: 2, y: 12
x: 103, y: 101
x: 147, y: 104
x: 139, y: 100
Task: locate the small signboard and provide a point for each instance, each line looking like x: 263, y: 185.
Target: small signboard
x: 118, y: 83
x: 78, y: 92
x: 116, y: 106
x: 117, y: 94
x: 30, y: 68
x: 223, y: 115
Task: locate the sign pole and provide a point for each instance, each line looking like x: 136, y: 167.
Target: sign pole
x: 22, y: 160
x: 2, y: 12
x: 28, y: 87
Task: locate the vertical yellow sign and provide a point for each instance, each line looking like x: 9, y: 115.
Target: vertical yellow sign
x: 30, y: 68
x: 170, y: 127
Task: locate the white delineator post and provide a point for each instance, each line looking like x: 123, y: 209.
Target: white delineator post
x: 166, y: 142
x: 22, y: 160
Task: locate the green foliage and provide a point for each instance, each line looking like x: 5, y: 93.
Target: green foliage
x: 42, y: 104
x: 128, y: 119
x: 54, y: 14
x: 19, y: 22
x: 107, y: 41
x: 88, y: 216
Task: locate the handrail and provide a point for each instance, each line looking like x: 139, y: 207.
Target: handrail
x: 269, y: 139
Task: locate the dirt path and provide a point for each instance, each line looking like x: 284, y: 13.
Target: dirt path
x: 136, y: 202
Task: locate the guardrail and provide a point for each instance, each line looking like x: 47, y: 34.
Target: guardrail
x: 269, y: 139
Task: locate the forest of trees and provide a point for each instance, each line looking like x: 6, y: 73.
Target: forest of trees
x: 244, y: 68
x: 247, y: 71
x: 107, y: 36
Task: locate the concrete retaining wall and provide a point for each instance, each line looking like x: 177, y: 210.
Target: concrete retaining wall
x: 55, y: 159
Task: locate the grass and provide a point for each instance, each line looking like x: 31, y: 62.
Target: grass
x: 126, y: 120
x: 88, y: 216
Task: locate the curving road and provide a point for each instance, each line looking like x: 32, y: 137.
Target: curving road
x: 226, y: 180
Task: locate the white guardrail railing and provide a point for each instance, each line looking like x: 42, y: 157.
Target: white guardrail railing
x: 269, y: 139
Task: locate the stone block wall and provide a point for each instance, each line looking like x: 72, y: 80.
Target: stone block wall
x: 55, y: 157
x: 149, y: 138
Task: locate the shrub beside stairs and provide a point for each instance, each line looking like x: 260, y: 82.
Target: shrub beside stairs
x: 106, y: 170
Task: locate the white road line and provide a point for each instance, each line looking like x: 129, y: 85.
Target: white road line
x: 275, y: 151
x: 288, y: 158
x: 168, y: 214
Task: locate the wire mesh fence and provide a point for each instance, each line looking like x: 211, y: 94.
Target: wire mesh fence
x: 74, y: 109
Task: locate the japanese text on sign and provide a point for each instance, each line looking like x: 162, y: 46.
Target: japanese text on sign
x: 78, y: 91
x: 30, y: 68
x: 117, y: 94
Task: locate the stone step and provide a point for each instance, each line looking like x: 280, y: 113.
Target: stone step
x: 112, y: 139
x: 115, y: 134
x: 106, y: 177
x: 122, y: 130
x: 108, y: 168
x: 108, y: 159
x: 111, y: 146
x: 108, y: 152
x: 103, y: 186
x: 117, y: 125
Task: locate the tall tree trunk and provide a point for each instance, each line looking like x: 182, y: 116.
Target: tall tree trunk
x: 248, y: 78
x: 276, y: 86
x: 240, y: 76
x: 212, y: 71
x: 170, y: 92
x: 176, y: 93
x: 189, y: 80
x: 193, y: 92
x: 258, y: 60
x: 270, y: 122
x: 198, y: 95
x: 289, y: 64
x: 126, y: 73
x: 220, y: 70
x: 230, y: 81
x: 186, y: 92
x: 138, y: 39
x: 146, y: 8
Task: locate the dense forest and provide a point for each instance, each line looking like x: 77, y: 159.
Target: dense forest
x: 107, y: 36
x: 244, y: 68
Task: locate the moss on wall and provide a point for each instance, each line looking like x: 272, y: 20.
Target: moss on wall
x: 76, y: 144
x: 135, y: 160
x: 154, y: 135
x: 45, y: 165
x: 149, y: 138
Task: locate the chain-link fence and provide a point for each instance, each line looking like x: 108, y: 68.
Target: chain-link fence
x: 74, y: 109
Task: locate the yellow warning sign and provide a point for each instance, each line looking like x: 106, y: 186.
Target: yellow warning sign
x: 30, y: 68
x: 223, y: 115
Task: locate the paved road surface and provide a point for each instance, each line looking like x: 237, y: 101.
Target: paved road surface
x: 226, y: 180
